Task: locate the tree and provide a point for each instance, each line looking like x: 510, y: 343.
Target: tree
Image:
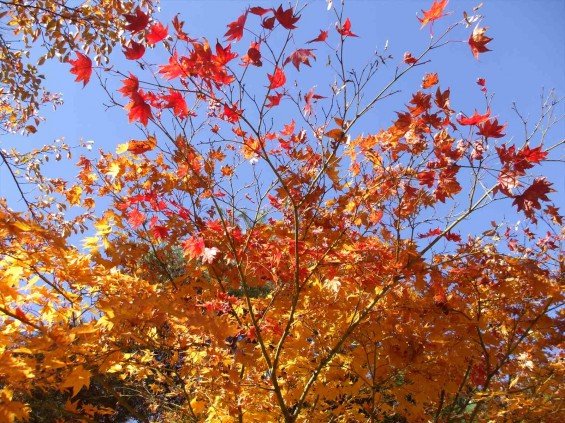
x: 268, y: 256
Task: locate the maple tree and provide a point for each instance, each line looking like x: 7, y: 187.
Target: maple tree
x: 266, y: 257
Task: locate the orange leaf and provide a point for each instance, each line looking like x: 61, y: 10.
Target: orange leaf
x: 429, y: 80
x: 434, y: 13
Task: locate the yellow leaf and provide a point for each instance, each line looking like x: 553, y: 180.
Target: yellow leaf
x: 77, y: 379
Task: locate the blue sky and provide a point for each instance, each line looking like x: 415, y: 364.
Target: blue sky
x: 528, y: 55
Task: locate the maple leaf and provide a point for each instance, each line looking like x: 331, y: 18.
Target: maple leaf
x: 235, y: 31
x: 224, y: 55
x: 77, y: 379
x: 82, y: 68
x: 409, y: 59
x: 138, y: 108
x: 277, y: 79
x: 434, y: 13
x: 140, y: 147
x: 131, y: 86
x: 137, y: 22
x: 134, y: 51
x: 135, y: 218
x: 157, y: 33
x: 491, y: 129
x: 429, y: 80
x: 345, y: 30
x: 175, y: 100
x: 209, y: 254
x: 300, y: 56
x: 253, y: 55
x: 323, y: 36
x: 529, y: 200
x: 193, y: 247
x: 308, y: 97
x: 274, y: 100
x: 268, y: 23
x: 476, y: 119
x: 231, y: 113
x: 478, y: 41
x: 259, y: 11
x: 286, y: 17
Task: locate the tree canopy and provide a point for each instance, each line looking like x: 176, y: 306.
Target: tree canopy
x: 260, y: 252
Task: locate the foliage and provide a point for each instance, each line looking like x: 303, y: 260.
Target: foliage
x: 266, y: 258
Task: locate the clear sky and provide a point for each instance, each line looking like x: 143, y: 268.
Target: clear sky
x: 528, y: 55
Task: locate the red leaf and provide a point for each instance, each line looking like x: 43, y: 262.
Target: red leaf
x: 286, y: 17
x: 274, y: 100
x: 173, y: 69
x: 300, y: 56
x: 530, y: 198
x: 253, y: 56
x: 491, y: 129
x: 277, y: 79
x: 160, y: 232
x: 176, y: 101
x: 137, y: 22
x: 431, y: 232
x: 231, y: 114
x: 135, y: 218
x: 409, y: 59
x: 157, y: 33
x: 345, y: 30
x: 478, y: 41
x: 82, y: 68
x: 308, y: 97
x: 134, y: 51
x: 193, y: 247
x: 320, y: 38
x: 429, y: 80
x: 268, y: 23
x: 259, y: 11
x: 138, y: 108
x: 224, y: 55
x: 131, y: 85
x: 21, y: 315
x: 434, y: 13
x: 476, y: 119
x: 235, y: 31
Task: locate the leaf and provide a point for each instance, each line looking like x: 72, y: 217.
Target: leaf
x: 277, y: 79
x: 409, y: 59
x: 530, y: 199
x: 137, y: 22
x: 157, y: 33
x: 345, y: 30
x: 140, y: 147
x: 286, y: 17
x: 259, y: 11
x: 138, y: 108
x: 130, y: 87
x: 235, y: 31
x: 135, y: 51
x: 434, y: 13
x: 77, y: 379
x: 135, y: 218
x: 300, y: 56
x: 82, y: 68
x: 193, y: 247
x: 476, y: 119
x: 491, y: 129
x: 253, y: 55
x: 429, y: 80
x: 175, y: 100
x: 478, y: 41
x: 274, y: 100
x: 323, y: 36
